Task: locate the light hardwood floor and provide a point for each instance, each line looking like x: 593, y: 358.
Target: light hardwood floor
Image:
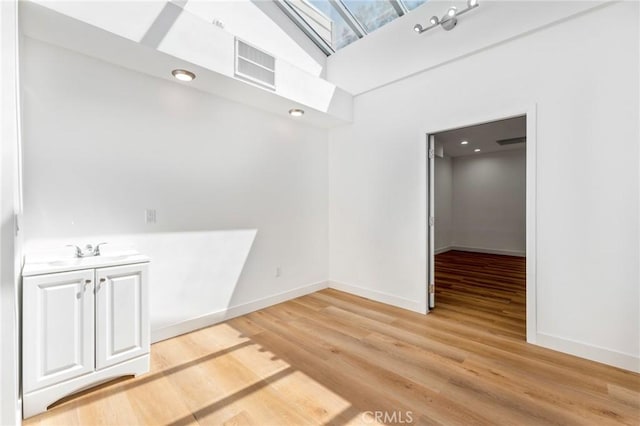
x: 334, y: 358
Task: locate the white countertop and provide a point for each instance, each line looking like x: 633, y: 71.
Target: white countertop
x: 47, y: 264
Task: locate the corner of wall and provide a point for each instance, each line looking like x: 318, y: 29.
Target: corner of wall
x: 10, y: 259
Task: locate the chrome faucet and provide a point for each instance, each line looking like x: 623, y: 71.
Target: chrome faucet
x: 88, y: 251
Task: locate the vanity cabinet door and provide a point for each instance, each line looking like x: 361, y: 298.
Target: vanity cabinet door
x: 122, y: 324
x: 58, y: 328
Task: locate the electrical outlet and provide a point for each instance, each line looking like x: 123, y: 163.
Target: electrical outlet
x: 150, y: 216
x: 278, y: 271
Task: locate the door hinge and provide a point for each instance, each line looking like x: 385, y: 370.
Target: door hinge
x: 431, y: 154
x: 432, y: 288
x: 431, y: 220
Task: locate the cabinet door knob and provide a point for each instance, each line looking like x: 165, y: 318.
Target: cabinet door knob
x: 102, y: 280
x: 87, y: 281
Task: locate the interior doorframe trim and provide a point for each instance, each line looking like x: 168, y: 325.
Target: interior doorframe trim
x: 448, y: 123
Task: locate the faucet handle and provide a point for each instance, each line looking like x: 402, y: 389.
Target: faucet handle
x: 96, y: 250
x: 78, y: 249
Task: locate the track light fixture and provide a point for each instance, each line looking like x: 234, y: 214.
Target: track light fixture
x: 449, y: 20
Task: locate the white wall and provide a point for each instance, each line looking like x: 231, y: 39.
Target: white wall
x: 238, y: 192
x: 443, y: 181
x: 585, y: 86
x: 10, y: 244
x: 489, y: 202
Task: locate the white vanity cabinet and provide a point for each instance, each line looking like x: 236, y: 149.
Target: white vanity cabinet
x: 82, y: 327
x: 122, y: 314
x: 57, y: 328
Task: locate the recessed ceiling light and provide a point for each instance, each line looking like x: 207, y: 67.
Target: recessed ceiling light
x: 296, y: 112
x: 464, y: 143
x: 476, y: 150
x: 183, y: 75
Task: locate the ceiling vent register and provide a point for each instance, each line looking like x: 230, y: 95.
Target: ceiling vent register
x: 254, y: 65
x: 512, y: 141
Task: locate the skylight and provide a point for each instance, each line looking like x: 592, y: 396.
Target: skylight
x: 372, y: 14
x: 412, y: 4
x: 334, y: 29
x: 334, y: 24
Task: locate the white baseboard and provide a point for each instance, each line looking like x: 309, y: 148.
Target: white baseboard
x: 443, y: 250
x: 489, y: 251
x: 594, y: 353
x: 232, y: 312
x: 379, y: 296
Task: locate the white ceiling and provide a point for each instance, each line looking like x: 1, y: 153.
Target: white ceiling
x: 483, y: 136
x: 395, y: 51
x: 263, y: 24
x: 186, y: 41
x: 116, y: 32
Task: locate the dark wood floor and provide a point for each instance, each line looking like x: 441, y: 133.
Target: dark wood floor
x: 335, y: 359
x: 488, y: 289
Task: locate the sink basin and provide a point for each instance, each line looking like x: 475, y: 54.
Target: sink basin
x: 89, y: 259
x: 39, y: 264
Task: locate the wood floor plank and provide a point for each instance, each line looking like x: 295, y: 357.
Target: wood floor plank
x: 331, y: 358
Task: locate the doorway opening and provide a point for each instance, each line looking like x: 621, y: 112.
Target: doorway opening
x: 480, y: 222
